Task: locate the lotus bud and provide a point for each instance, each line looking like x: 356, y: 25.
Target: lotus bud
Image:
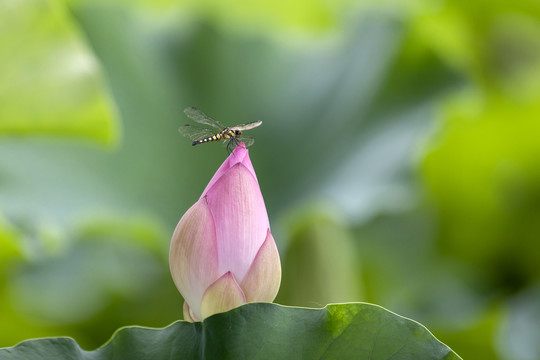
x: 222, y: 252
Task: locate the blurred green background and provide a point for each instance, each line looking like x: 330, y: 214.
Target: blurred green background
x: 399, y: 158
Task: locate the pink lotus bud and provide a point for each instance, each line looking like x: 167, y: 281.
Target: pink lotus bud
x: 222, y: 253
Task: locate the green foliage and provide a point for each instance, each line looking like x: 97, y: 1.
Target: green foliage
x: 261, y: 331
x: 413, y: 123
x: 51, y: 82
x: 321, y: 263
x: 103, y: 272
x: 504, y: 184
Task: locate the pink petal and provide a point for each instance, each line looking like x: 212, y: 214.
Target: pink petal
x: 239, y: 155
x: 224, y: 294
x: 240, y: 218
x: 193, y: 254
x: 263, y: 278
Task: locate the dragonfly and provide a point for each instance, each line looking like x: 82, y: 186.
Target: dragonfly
x: 232, y: 135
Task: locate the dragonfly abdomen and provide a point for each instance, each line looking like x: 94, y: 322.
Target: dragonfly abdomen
x: 223, y: 134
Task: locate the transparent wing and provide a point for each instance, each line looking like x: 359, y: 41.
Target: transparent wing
x: 247, y: 140
x: 200, y: 117
x: 194, y: 132
x: 249, y: 126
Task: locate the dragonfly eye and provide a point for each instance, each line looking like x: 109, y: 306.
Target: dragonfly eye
x: 237, y: 132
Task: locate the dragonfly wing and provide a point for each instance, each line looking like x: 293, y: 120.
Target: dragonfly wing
x: 247, y: 140
x: 249, y: 126
x: 198, y: 116
x: 194, y: 132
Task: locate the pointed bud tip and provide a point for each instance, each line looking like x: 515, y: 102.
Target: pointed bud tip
x: 240, y: 150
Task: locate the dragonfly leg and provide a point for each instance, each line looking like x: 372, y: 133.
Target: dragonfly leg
x: 232, y: 144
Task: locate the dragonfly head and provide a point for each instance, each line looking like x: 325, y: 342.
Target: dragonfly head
x: 237, y: 132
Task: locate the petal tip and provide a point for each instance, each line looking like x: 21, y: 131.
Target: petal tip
x: 264, y: 276
x: 223, y: 295
x: 188, y: 314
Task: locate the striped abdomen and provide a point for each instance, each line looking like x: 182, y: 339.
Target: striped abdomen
x: 223, y: 134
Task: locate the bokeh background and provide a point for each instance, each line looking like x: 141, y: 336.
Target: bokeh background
x: 399, y: 158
